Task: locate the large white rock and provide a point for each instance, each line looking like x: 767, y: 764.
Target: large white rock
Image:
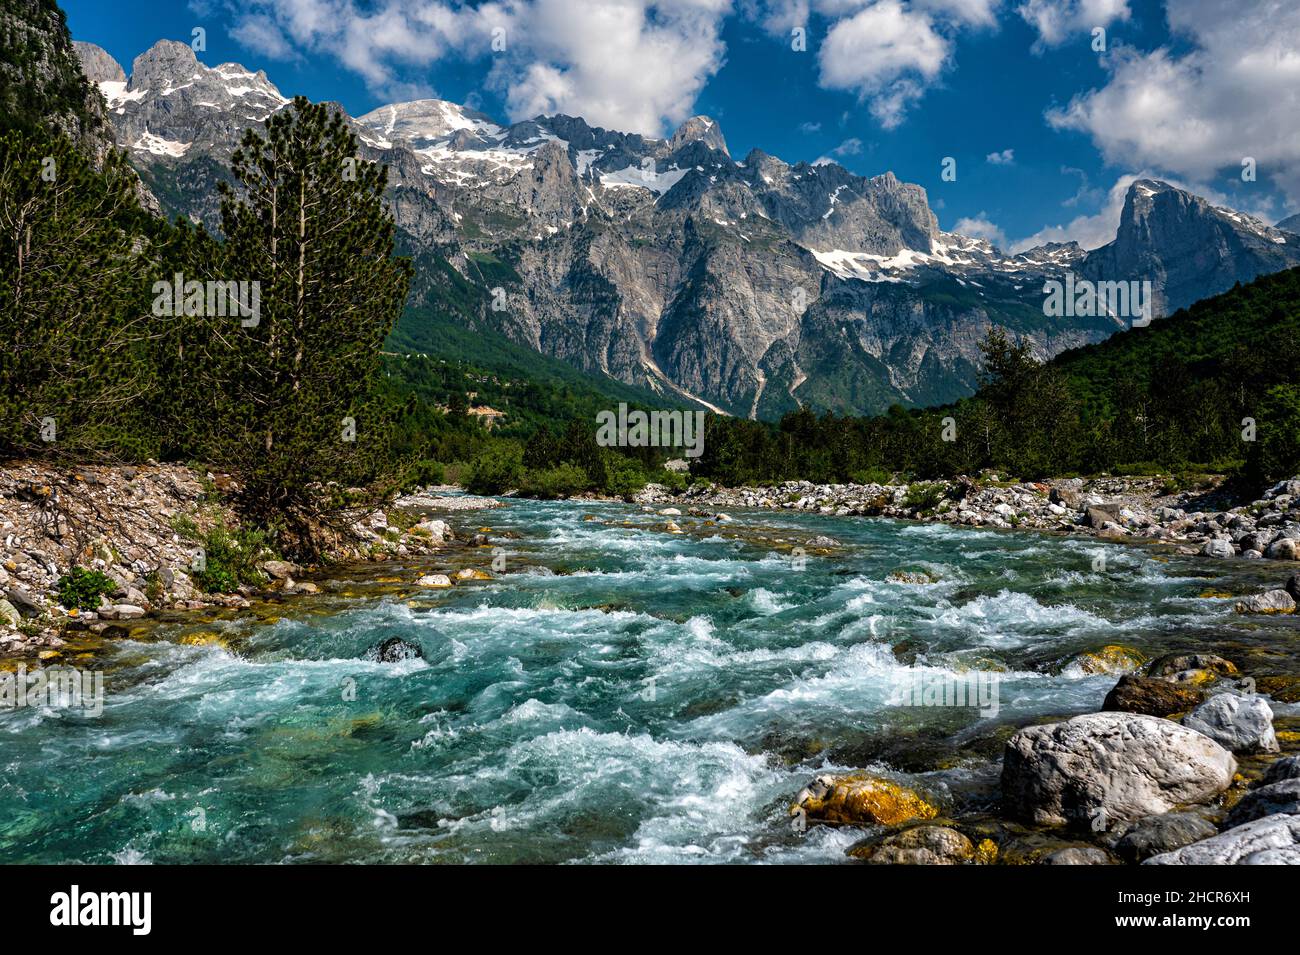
x: 1244, y: 724
x: 1273, y: 840
x: 1270, y: 601
x: 1102, y: 769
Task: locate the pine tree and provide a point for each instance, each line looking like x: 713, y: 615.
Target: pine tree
x: 74, y: 373
x: 298, y: 417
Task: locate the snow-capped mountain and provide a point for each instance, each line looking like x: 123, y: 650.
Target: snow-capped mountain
x: 749, y: 286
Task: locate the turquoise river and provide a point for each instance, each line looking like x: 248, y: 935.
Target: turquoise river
x: 616, y: 694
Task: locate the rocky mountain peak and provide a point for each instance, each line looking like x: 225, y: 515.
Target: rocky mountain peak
x: 1187, y: 247
x: 166, y: 64
x: 97, y: 64
x: 426, y: 121
x: 699, y: 129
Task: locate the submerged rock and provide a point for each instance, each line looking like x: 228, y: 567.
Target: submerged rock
x: 1152, y: 697
x: 1173, y: 665
x: 1101, y: 769
x: 1152, y: 835
x: 920, y: 845
x: 1242, y: 724
x: 911, y: 577
x: 393, y: 650
x: 1273, y: 840
x: 861, y: 799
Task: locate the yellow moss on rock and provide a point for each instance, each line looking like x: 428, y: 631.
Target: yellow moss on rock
x: 863, y: 800
x: 986, y: 853
x: 1112, y: 658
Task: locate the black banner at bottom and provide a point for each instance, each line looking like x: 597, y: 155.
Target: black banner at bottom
x: 335, y: 904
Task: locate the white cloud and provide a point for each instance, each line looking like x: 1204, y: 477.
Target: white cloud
x: 973, y: 12
x: 1090, y: 231
x: 627, y: 64
x: 850, y: 147
x: 980, y: 227
x: 634, y: 65
x: 1235, y: 94
x: 1004, y: 158
x: 1058, y: 20
x: 260, y: 33
x: 887, y: 53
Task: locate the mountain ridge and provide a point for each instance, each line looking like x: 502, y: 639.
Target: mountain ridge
x: 749, y: 286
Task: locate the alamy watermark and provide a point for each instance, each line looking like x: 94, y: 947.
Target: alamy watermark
x: 212, y: 299
x: 55, y: 687
x: 1083, y: 298
x: 927, y: 686
x: 654, y: 429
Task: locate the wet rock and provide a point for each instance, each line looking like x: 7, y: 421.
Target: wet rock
x: 1293, y: 587
x: 1242, y: 724
x: 438, y: 581
x: 1282, y: 796
x: 821, y: 541
x: 393, y: 650
x: 1153, y: 697
x: 1077, y: 855
x: 1271, y: 601
x: 469, y: 573
x: 1190, y: 668
x: 1111, y: 658
x: 1109, y: 767
x: 1273, y: 840
x: 1152, y: 835
x: 911, y: 577
x: 1286, y: 768
x: 861, y: 800
x: 920, y: 845
x: 1218, y: 548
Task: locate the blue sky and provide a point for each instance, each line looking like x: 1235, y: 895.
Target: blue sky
x: 1046, y: 131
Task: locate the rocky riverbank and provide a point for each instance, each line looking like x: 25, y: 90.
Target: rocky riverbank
x: 1136, y: 783
x: 153, y: 532
x: 1183, y: 766
x: 1138, y: 510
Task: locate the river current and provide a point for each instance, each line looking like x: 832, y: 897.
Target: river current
x: 618, y: 693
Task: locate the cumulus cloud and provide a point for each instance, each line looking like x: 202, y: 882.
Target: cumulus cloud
x: 850, y: 147
x: 1234, y: 94
x: 1058, y: 20
x: 1004, y: 158
x: 888, y: 54
x: 635, y: 65
x: 980, y: 227
x: 1090, y: 231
